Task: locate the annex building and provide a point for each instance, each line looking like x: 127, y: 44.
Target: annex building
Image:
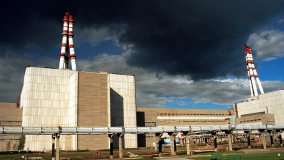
x: 267, y: 109
x: 10, y: 115
x: 161, y: 117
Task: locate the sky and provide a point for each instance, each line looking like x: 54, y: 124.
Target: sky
x: 184, y: 54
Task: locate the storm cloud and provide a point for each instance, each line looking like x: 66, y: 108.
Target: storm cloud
x: 176, y: 48
x: 196, y: 39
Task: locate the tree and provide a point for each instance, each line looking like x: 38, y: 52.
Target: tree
x: 22, y: 141
x: 8, y: 146
x: 15, y: 146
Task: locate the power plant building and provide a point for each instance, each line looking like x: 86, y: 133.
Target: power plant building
x: 71, y: 98
x: 66, y: 98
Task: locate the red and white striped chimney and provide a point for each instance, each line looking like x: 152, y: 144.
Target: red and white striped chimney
x: 67, y: 43
x: 71, y: 44
x: 252, y: 74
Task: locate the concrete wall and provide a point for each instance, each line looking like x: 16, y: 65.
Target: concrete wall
x: 269, y: 103
x: 45, y: 101
x: 123, y: 105
x: 259, y: 119
x: 92, y: 109
x: 10, y: 115
x: 181, y: 117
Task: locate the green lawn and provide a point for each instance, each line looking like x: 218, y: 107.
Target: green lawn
x: 258, y: 156
x: 144, y: 151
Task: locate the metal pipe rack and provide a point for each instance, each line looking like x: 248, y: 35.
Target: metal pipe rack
x: 133, y: 130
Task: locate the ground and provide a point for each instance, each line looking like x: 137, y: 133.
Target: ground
x: 201, y: 152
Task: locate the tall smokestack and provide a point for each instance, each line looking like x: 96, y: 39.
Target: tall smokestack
x: 252, y: 74
x: 72, y: 51
x: 67, y: 42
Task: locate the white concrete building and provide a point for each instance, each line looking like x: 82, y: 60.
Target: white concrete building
x: 66, y: 98
x: 267, y: 108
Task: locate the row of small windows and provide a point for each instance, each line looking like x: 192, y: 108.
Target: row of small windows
x: 250, y: 120
x: 9, y: 139
x: 143, y: 137
x: 187, y: 114
x: 12, y: 121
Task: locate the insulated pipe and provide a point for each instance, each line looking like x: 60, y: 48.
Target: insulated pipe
x: 71, y: 44
x: 129, y: 130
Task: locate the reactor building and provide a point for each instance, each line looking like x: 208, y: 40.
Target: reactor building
x: 70, y: 98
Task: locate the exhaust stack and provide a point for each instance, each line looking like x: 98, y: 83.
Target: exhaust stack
x: 252, y: 74
x: 67, y: 43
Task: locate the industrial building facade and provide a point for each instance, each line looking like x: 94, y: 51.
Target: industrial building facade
x: 267, y: 108
x: 66, y: 98
x: 161, y: 117
x: 10, y: 115
x: 99, y: 107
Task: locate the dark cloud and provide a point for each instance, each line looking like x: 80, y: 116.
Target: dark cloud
x: 198, y: 39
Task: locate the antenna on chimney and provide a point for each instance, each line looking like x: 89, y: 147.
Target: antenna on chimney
x: 67, y: 43
x: 252, y: 74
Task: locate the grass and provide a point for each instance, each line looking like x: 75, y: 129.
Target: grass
x: 181, y: 151
x: 258, y: 156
